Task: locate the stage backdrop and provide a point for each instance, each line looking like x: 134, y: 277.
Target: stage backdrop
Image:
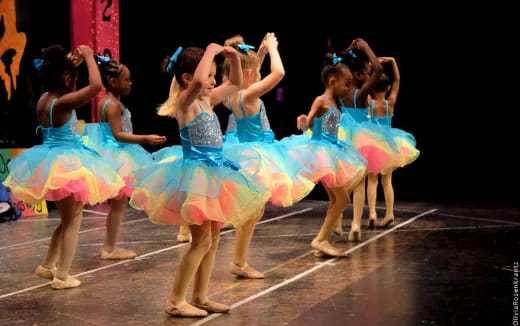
x: 96, y: 23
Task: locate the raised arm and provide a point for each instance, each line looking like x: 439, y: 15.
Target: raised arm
x: 275, y: 76
x: 377, y: 70
x: 72, y: 100
x: 233, y: 83
x: 392, y: 98
x: 188, y: 96
x: 262, y: 50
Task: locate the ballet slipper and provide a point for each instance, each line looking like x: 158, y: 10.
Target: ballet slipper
x: 45, y: 272
x: 245, y: 271
x: 355, y: 233
x: 118, y: 253
x: 71, y: 282
x: 181, y: 238
x: 387, y: 221
x: 326, y: 248
x: 211, y: 306
x: 183, y: 310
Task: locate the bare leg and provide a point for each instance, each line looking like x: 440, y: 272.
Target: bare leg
x: 239, y: 265
x: 203, y: 275
x: 388, y: 189
x: 372, y: 197
x: 71, y: 215
x: 359, y: 205
x: 184, y: 234
x: 200, y: 246
x: 48, y: 268
x: 339, y: 198
x: 338, y: 227
x: 114, y: 218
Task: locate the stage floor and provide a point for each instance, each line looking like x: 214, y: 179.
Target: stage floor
x: 437, y: 265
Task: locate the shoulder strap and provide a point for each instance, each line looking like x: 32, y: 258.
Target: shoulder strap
x: 355, y: 98
x: 240, y: 104
x: 50, y: 111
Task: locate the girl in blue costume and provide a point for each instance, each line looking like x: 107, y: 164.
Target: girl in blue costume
x: 63, y: 169
x: 356, y: 127
x: 113, y: 138
x: 230, y: 137
x: 334, y: 163
x: 277, y: 170
x: 203, y: 189
x: 382, y: 111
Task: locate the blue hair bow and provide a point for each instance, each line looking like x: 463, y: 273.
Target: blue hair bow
x: 173, y: 59
x: 103, y: 59
x: 38, y: 63
x: 245, y: 47
x: 352, y: 54
x: 336, y: 59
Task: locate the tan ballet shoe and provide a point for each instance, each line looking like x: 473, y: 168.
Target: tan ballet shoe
x: 211, y: 306
x: 71, y: 282
x: 326, y: 248
x: 183, y: 310
x: 181, y: 238
x: 118, y: 253
x: 355, y: 233
x: 386, y: 222
x: 245, y: 271
x: 45, y: 272
x: 372, y: 222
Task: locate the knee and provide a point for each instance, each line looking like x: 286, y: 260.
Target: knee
x: 202, y: 245
x: 386, y: 182
x: 214, y: 242
x: 342, y: 202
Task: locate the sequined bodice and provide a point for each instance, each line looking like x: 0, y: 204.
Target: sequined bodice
x: 204, y: 130
x: 326, y: 126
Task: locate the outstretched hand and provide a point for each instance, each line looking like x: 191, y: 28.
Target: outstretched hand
x: 155, y: 139
x: 301, y: 122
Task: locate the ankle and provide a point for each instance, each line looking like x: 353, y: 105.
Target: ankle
x: 177, y: 301
x: 62, y: 277
x: 199, y: 300
x: 240, y: 263
x: 108, y: 248
x: 48, y: 266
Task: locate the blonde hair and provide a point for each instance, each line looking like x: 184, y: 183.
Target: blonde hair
x: 185, y: 63
x: 169, y: 107
x: 248, y: 59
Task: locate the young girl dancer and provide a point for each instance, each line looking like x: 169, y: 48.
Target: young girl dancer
x: 203, y: 189
x: 113, y: 138
x: 382, y: 111
x: 281, y: 174
x: 63, y: 169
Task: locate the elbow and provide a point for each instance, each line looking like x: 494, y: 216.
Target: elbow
x: 280, y: 73
x: 377, y: 68
x: 97, y: 87
x: 118, y: 136
x: 237, y: 82
x: 197, y: 83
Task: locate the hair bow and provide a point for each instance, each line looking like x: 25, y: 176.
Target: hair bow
x: 173, y: 59
x: 38, y: 63
x: 336, y: 59
x: 103, y: 58
x: 245, y: 47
